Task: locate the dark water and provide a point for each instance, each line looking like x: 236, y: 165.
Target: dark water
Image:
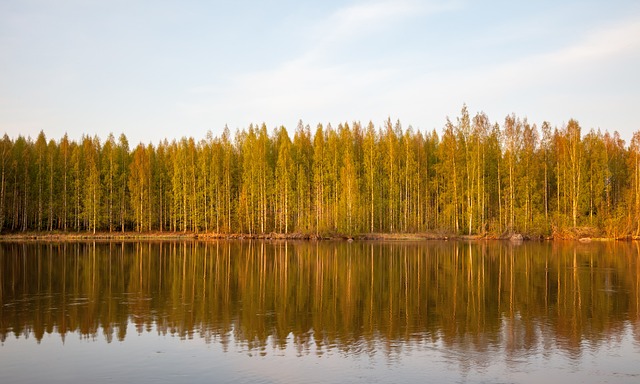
x: 324, y: 312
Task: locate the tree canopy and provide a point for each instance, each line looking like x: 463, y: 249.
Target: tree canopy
x: 475, y: 177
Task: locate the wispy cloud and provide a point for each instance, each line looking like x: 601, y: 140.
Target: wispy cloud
x: 417, y: 60
x: 291, y: 92
x: 573, y: 81
x: 360, y: 20
x: 598, y: 48
x: 603, y: 43
x: 316, y: 85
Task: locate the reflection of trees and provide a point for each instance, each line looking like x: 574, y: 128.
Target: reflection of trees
x: 353, y: 296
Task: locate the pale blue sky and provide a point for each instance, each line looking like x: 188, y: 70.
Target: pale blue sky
x: 167, y: 69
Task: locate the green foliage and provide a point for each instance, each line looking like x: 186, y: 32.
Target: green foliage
x: 476, y: 178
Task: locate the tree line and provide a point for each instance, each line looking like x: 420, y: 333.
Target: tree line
x: 476, y: 177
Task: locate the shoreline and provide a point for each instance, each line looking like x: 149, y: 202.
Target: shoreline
x: 204, y: 236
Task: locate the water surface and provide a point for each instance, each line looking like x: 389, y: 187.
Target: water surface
x: 319, y: 312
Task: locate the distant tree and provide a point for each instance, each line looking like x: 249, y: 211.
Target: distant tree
x: 65, y: 154
x: 302, y: 163
x: 5, y: 162
x: 389, y: 141
x: 371, y: 170
x: 348, y: 183
x: 476, y: 177
x: 284, y: 182
x: 634, y: 160
x: 319, y: 178
x: 139, y: 187
x: 121, y: 179
x: 513, y: 145
x: 91, y: 183
x: 41, y: 175
x: 109, y: 170
x: 575, y: 152
x: 597, y: 174
x: 53, y: 165
x: 447, y: 174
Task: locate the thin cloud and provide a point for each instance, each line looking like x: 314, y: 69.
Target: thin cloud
x: 543, y: 80
x: 604, y: 43
x: 316, y: 83
x: 294, y: 91
x: 600, y: 47
x: 359, y: 20
x: 317, y: 87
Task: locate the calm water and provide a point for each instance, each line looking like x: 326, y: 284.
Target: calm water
x: 276, y: 312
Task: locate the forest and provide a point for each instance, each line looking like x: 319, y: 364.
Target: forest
x: 476, y: 177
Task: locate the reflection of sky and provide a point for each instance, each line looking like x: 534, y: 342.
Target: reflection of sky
x: 149, y: 357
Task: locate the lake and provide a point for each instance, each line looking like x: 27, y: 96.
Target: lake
x: 319, y: 312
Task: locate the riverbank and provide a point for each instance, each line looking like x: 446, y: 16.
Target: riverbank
x: 82, y: 236
x: 155, y: 235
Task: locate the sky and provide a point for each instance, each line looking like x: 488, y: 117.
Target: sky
x: 169, y: 69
